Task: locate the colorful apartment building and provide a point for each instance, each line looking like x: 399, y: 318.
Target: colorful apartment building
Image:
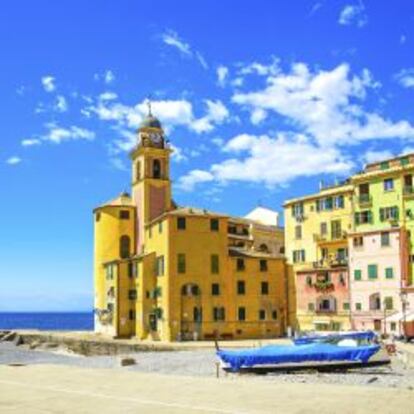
x: 173, y: 273
x: 356, y: 237
x: 316, y: 228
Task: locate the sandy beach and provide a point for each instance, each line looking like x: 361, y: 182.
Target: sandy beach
x: 51, y: 381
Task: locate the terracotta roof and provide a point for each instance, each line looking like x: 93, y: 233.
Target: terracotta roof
x: 123, y: 200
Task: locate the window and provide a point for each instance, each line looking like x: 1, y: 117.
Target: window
x: 389, y: 273
x: 241, y: 314
x: 131, y: 266
x: 240, y: 265
x: 263, y: 265
x: 404, y: 161
x: 132, y: 294
x: 124, y: 214
x: 336, y: 231
x: 265, y: 288
x: 215, y: 264
x: 324, y: 229
x: 241, y: 287
x: 345, y: 306
x: 160, y: 227
x: 215, y: 289
x: 97, y: 216
x: 384, y: 165
x: 263, y: 248
x: 324, y: 204
x: 197, y: 314
x: 388, y: 302
x: 393, y: 326
x: 298, y: 232
x: 363, y: 217
x: 358, y: 306
x: 138, y: 171
x: 124, y: 247
x: 388, y: 184
x: 181, y: 263
x: 385, y: 239
x: 131, y: 315
x: 298, y: 256
x: 214, y: 224
x: 181, y: 223
x: 219, y: 314
x: 339, y: 201
x: 311, y: 307
x: 156, y: 169
x: 297, y: 210
x: 324, y: 253
x: 357, y: 274
x: 262, y: 315
x: 109, y: 270
x: 274, y: 314
x: 342, y: 254
x: 389, y: 213
x: 372, y: 271
x: 159, y: 266
x: 358, y: 241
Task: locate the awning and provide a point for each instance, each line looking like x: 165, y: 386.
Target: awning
x: 399, y: 317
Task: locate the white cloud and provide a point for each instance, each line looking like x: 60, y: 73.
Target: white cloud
x: 256, y: 68
x: 61, y: 104
x: 13, y: 160
x: 403, y: 39
x: 48, y: 83
x: 405, y: 77
x: 217, y: 113
x: 171, y: 38
x: 177, y: 154
x: 326, y: 105
x: 315, y: 8
x: 222, y: 75
x: 172, y: 113
x: 272, y: 161
x: 194, y: 177
x: 375, y: 156
x: 30, y: 142
x: 353, y: 14
x: 108, y: 96
x: 58, y: 134
x: 109, y: 76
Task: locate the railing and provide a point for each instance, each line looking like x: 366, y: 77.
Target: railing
x: 408, y: 191
x: 364, y: 199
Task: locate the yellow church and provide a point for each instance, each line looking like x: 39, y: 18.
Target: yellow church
x: 170, y: 273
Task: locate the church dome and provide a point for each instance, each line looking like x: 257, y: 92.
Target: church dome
x: 150, y: 121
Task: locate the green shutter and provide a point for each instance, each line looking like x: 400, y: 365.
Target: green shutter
x: 369, y: 216
x: 357, y: 274
x: 357, y: 219
x: 372, y: 271
x: 382, y: 215
x: 389, y: 273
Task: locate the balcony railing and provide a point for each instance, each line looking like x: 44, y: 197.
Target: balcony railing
x: 364, y: 200
x: 408, y: 191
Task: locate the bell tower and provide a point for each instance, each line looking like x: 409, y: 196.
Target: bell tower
x: 151, y: 185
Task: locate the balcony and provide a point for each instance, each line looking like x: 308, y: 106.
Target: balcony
x: 408, y: 192
x: 364, y: 200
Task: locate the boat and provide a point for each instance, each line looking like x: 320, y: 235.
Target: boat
x: 364, y: 336
x: 333, y: 353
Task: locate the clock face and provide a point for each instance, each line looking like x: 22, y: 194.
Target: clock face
x: 156, y: 138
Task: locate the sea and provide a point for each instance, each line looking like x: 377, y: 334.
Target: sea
x: 47, y: 321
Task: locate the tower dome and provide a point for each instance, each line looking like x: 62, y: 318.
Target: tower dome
x: 150, y: 121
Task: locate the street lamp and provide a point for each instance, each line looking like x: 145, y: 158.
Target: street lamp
x: 403, y: 296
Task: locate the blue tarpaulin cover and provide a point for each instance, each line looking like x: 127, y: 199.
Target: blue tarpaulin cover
x: 369, y: 335
x: 315, y: 352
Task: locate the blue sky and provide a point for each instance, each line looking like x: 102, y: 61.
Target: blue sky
x: 261, y: 100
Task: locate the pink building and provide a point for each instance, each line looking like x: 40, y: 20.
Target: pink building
x: 377, y: 274
x: 322, y: 297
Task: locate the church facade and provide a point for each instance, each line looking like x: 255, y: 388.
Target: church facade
x: 166, y: 272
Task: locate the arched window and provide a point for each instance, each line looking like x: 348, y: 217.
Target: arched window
x: 263, y: 248
x: 124, y: 247
x: 156, y: 169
